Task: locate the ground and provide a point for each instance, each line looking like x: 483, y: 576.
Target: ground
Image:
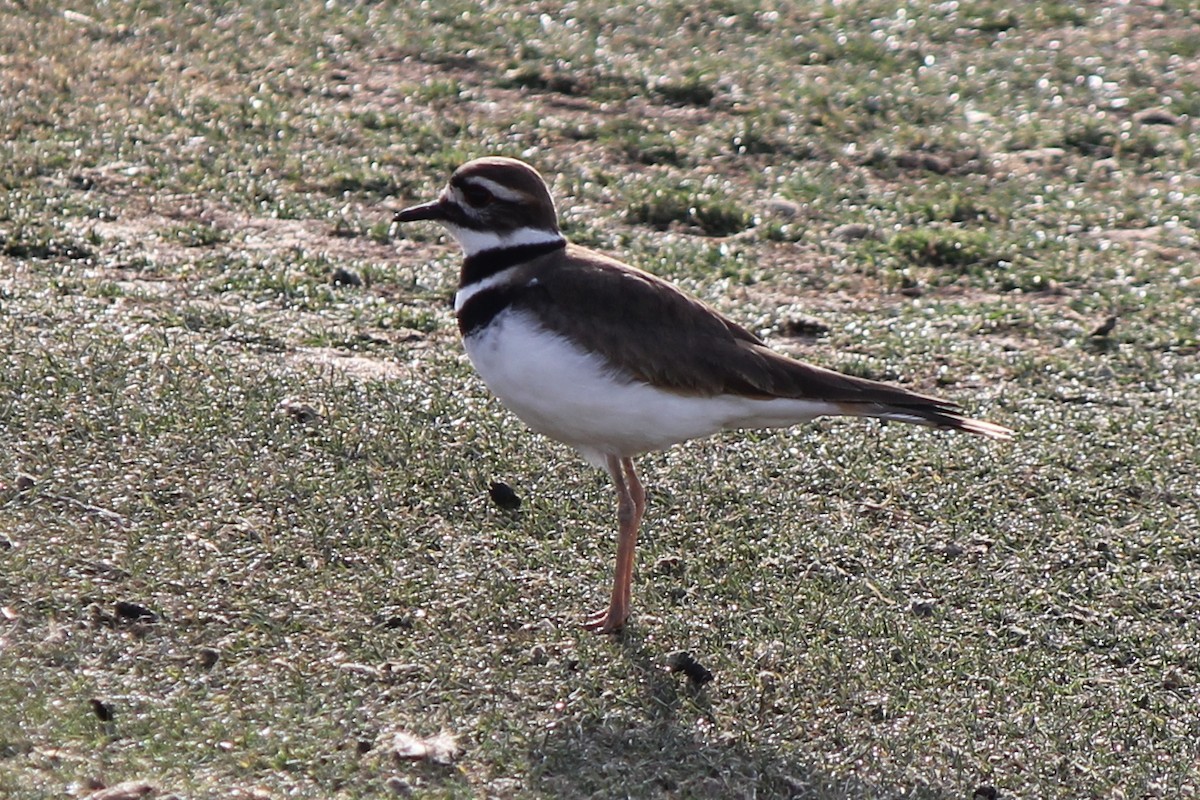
x: 248, y: 546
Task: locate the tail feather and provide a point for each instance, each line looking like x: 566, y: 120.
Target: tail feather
x: 857, y: 397
x: 934, y: 415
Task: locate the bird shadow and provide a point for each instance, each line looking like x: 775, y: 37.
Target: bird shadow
x: 668, y: 744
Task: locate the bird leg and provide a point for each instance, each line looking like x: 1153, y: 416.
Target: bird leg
x: 631, y: 505
x: 638, y: 494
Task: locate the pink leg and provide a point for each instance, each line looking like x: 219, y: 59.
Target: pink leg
x: 638, y: 494
x: 631, y: 505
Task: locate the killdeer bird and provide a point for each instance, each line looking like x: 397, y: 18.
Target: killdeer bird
x: 617, y: 362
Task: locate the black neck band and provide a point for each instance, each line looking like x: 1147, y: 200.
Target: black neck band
x: 489, y: 262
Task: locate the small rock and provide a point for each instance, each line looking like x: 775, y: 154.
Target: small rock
x: 344, y: 277
x: 1105, y: 329
x: 923, y: 607
x: 132, y: 612
x: 854, y: 231
x: 974, y: 117
x: 805, y: 326
x: 129, y: 790
x: 394, y: 622
x: 298, y: 410
x: 1156, y: 116
x: 398, y: 786
x: 1174, y: 679
x: 503, y: 496
x: 1044, y: 155
x: 952, y: 550
x: 439, y: 749
x: 78, y: 18
x: 926, y: 161
x: 102, y: 710
x: 696, y: 672
x: 778, y: 207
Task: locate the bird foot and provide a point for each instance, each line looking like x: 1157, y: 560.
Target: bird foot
x: 610, y: 620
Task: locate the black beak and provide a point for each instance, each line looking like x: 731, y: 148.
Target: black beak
x: 432, y: 210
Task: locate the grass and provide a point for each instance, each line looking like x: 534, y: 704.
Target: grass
x: 699, y: 211
x: 203, y: 415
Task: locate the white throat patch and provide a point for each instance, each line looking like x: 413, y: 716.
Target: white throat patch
x: 474, y: 242
x: 470, y: 290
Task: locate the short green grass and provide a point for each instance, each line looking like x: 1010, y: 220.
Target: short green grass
x: 231, y: 394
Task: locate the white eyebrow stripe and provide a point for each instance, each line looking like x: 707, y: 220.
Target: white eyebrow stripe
x: 497, y: 189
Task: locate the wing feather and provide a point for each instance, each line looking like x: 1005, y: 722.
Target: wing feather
x: 658, y: 334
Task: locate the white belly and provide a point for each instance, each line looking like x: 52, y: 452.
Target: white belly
x: 573, y: 396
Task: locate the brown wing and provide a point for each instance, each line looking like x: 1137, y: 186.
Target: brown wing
x: 654, y: 331
x: 669, y: 339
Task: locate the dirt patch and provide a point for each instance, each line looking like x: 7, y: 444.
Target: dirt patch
x: 353, y: 365
x: 170, y: 231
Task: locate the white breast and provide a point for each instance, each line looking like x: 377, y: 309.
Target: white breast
x: 576, y: 397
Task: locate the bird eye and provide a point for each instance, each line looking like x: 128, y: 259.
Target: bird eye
x: 477, y: 195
